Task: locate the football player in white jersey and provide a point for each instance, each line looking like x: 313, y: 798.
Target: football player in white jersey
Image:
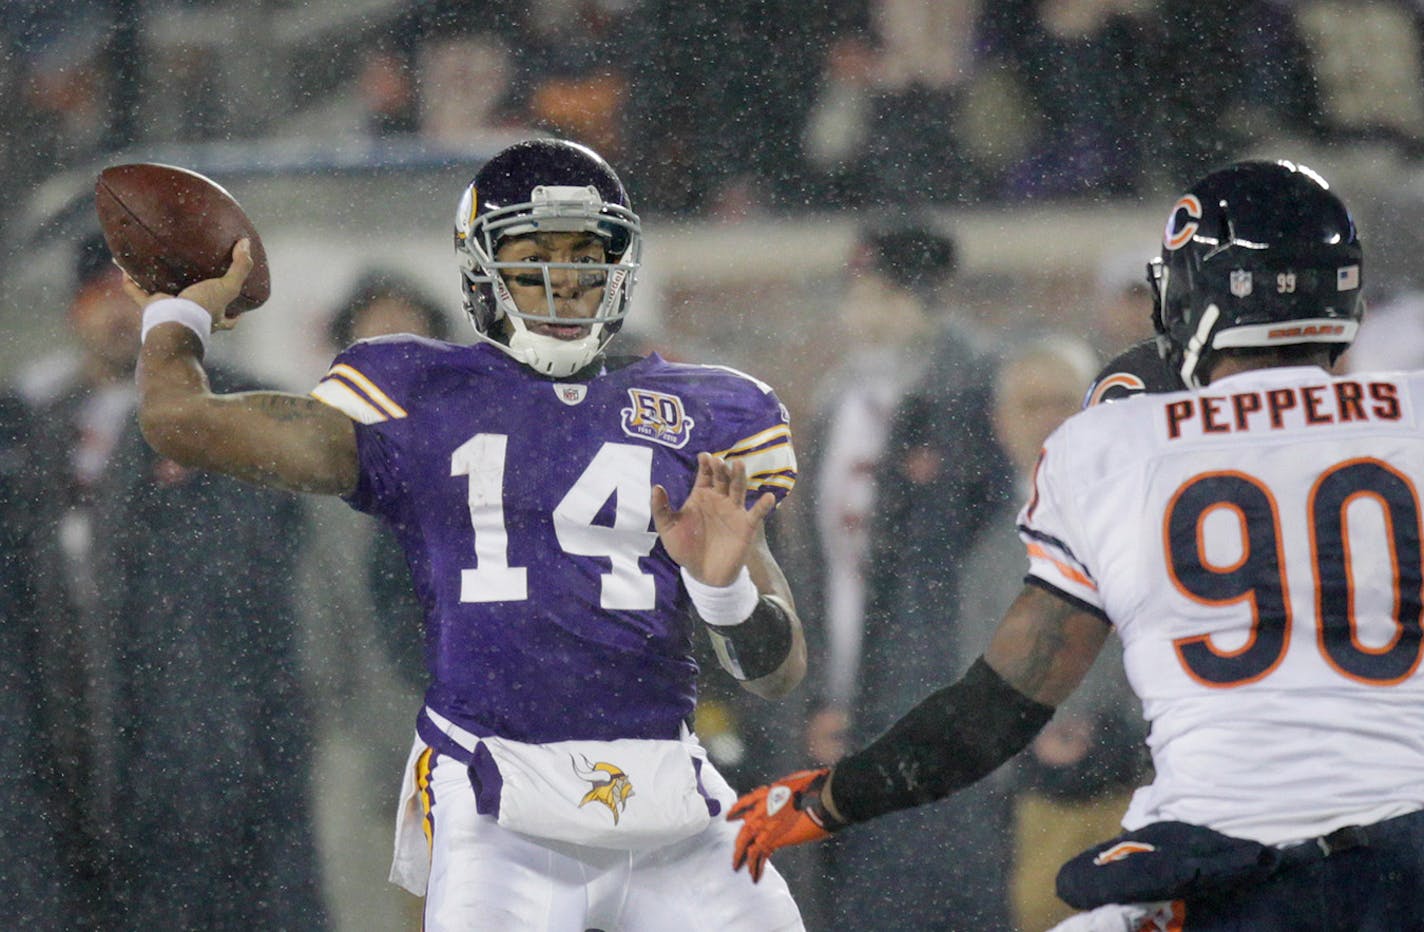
x: 1255, y: 543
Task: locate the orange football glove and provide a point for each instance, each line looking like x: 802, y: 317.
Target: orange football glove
x: 787, y: 812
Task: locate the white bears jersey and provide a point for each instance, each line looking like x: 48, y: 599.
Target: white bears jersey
x: 1257, y: 546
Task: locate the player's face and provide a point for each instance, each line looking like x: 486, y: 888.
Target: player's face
x: 576, y: 294
x: 106, y: 323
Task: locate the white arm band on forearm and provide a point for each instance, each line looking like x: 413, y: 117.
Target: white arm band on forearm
x: 726, y: 605
x: 178, y: 311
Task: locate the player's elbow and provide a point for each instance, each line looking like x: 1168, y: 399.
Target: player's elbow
x: 781, y: 681
x: 169, y: 431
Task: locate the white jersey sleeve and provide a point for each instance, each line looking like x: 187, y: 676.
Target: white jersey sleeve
x: 1257, y: 546
x: 1049, y: 527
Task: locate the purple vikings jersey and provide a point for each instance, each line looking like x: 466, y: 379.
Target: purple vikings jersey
x: 552, y: 611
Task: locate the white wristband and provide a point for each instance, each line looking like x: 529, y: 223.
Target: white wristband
x: 723, y: 606
x: 178, y: 311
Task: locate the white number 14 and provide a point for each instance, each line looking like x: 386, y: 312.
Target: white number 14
x: 618, y: 469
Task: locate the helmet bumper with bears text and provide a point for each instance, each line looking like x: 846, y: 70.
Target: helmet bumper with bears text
x: 1257, y: 254
x: 546, y: 186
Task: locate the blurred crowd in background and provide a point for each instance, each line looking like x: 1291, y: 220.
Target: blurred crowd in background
x: 739, y: 105
x: 213, y: 689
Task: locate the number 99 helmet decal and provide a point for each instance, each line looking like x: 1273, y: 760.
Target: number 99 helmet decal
x: 545, y: 186
x: 1256, y: 254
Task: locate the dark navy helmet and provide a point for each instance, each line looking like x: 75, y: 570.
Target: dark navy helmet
x: 1256, y: 254
x: 545, y: 186
x: 1136, y: 370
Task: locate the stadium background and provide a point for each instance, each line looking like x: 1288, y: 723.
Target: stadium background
x: 756, y: 138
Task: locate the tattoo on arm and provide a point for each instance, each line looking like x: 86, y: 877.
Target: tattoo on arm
x: 283, y: 407
x: 272, y: 439
x: 1036, y: 662
x: 1045, y: 645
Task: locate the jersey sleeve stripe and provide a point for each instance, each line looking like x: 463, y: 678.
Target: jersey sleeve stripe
x: 775, y: 465
x: 780, y: 480
x: 1070, y: 572
x: 1028, y: 532
x: 341, y: 397
x: 367, y: 388
x: 778, y: 434
x: 1071, y: 599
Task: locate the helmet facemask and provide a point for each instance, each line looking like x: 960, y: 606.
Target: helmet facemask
x: 488, y: 300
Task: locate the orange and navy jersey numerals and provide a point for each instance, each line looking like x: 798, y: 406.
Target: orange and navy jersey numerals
x: 1258, y: 576
x: 1330, y: 500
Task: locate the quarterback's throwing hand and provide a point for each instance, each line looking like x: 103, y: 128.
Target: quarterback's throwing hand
x: 787, y: 812
x: 212, y: 294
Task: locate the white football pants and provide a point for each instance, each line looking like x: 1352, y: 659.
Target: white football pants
x: 483, y: 876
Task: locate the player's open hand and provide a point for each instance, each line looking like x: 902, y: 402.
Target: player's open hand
x: 212, y: 294
x: 712, y: 533
x: 777, y: 815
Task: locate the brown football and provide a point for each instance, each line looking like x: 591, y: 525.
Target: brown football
x: 169, y: 227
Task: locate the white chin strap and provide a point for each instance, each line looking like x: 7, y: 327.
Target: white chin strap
x: 1201, y: 340
x: 551, y: 356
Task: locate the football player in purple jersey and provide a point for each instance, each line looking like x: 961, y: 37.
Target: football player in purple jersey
x: 531, y: 479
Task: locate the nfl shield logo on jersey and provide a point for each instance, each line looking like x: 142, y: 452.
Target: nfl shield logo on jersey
x: 570, y: 394
x: 1241, y: 283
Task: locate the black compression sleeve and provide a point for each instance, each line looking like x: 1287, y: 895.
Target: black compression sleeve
x: 951, y: 739
x: 756, y: 647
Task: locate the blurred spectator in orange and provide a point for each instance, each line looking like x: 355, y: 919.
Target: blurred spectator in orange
x: 174, y: 717
x: 572, y: 70
x: 387, y: 90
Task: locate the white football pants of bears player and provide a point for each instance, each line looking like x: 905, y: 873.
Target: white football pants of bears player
x: 483, y: 876
x: 1139, y: 917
